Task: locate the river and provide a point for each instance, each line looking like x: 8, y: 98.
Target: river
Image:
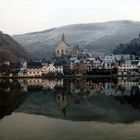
x: 70, y: 109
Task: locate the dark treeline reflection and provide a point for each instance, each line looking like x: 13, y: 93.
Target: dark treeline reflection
x: 110, y: 100
x: 11, y: 96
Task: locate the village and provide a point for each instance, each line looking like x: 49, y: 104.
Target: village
x: 73, y: 61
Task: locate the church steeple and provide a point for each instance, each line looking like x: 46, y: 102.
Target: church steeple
x: 63, y: 38
x: 62, y: 48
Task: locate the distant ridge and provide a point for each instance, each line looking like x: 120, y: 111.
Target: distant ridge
x: 12, y: 51
x: 96, y: 38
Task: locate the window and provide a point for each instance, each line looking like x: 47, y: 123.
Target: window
x: 58, y: 52
x: 62, y: 51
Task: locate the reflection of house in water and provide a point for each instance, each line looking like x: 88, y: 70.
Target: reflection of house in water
x: 94, y: 87
x: 34, y: 82
x: 126, y: 82
x: 51, y: 84
x: 97, y: 88
x: 122, y: 88
x: 9, y: 85
x: 67, y: 83
x: 87, y: 88
x: 42, y: 84
x: 23, y: 84
x: 80, y: 87
x: 108, y: 89
x: 132, y: 97
x: 129, y: 85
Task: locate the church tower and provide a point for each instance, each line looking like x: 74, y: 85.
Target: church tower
x: 62, y: 48
x: 63, y: 38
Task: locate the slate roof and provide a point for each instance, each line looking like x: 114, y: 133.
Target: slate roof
x: 134, y: 62
x: 61, y: 61
x: 34, y: 64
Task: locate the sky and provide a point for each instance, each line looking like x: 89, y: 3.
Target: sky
x: 23, y: 16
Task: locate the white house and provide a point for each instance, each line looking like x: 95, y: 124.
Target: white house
x: 113, y: 58
x: 23, y: 70
x: 107, y: 64
x: 51, y: 69
x: 59, y: 70
x: 34, y: 69
x: 129, y: 67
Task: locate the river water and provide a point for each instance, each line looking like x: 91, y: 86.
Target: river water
x: 70, y: 109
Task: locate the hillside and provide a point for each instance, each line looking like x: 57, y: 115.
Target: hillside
x: 12, y: 51
x: 97, y: 38
x: 132, y: 48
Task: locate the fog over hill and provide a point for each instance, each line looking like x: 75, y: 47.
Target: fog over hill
x: 96, y: 38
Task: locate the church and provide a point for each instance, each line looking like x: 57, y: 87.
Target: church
x: 62, y: 48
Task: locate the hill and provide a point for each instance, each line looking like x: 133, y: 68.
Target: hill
x: 96, y: 38
x: 132, y: 48
x: 12, y: 51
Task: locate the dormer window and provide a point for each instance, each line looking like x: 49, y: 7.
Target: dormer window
x: 58, y: 52
x: 62, y: 51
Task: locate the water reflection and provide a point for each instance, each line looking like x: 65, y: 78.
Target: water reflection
x: 105, y: 100
x: 11, y: 96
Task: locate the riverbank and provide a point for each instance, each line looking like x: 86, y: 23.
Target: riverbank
x: 71, y: 76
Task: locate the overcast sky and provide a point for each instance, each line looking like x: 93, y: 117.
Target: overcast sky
x: 21, y: 16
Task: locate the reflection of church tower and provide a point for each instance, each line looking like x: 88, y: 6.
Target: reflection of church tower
x: 62, y: 48
x: 63, y: 101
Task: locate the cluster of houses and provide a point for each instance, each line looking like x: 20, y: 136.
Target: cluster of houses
x: 29, y: 69
x: 74, y: 61
x: 111, y: 64
x: 121, y: 64
x: 80, y: 62
x: 38, y: 69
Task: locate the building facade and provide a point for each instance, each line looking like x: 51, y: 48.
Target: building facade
x: 62, y: 48
x: 34, y: 69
